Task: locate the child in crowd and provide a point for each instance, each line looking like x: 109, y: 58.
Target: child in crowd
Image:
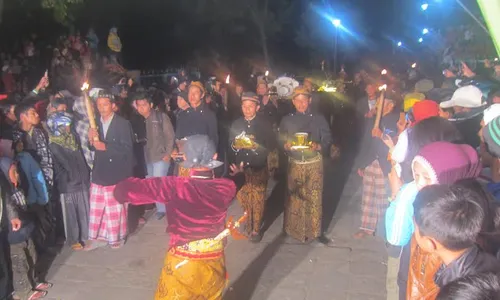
x: 474, y: 287
x: 448, y: 222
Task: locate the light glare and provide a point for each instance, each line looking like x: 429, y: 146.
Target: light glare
x: 336, y: 22
x: 424, y: 6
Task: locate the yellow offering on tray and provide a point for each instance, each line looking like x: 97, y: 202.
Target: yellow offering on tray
x: 244, y: 141
x: 301, y: 141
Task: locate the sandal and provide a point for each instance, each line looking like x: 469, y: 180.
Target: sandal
x: 95, y: 244
x: 43, y: 286
x: 362, y: 234
x: 37, y: 295
x: 77, y: 247
x: 116, y: 246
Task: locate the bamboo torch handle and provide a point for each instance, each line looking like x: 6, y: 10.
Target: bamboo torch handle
x: 380, y: 107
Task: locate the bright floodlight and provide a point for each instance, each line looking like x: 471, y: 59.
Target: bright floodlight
x: 424, y: 6
x: 420, y: 40
x: 336, y: 22
x: 400, y: 44
x: 425, y: 31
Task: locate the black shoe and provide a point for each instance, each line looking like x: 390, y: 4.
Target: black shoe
x: 255, y: 238
x: 160, y: 215
x: 322, y: 241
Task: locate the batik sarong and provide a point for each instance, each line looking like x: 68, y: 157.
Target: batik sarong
x: 182, y: 172
x: 303, y: 203
x: 195, y: 271
x: 252, y: 197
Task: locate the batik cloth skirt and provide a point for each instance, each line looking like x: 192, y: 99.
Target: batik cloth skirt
x: 303, y: 203
x: 193, y: 271
x: 182, y: 172
x: 75, y: 210
x: 374, y: 199
x: 252, y: 197
x: 107, y: 217
x: 273, y: 160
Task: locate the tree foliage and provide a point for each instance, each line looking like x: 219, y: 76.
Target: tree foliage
x: 61, y: 8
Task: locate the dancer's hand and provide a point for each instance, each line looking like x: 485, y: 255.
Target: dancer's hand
x: 235, y: 169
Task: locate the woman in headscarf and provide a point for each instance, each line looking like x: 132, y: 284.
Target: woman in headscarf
x: 72, y: 178
x: 436, y: 163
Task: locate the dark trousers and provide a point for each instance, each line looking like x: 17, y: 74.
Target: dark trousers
x: 6, y: 283
x: 404, y: 267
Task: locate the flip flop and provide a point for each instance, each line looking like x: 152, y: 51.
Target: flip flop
x: 43, y: 286
x: 77, y: 247
x: 37, y: 295
x: 92, y: 245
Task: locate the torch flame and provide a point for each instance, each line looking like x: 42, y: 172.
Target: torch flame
x: 384, y: 72
x: 267, y: 73
x: 85, y: 86
x: 414, y: 65
x: 228, y: 78
x: 382, y: 87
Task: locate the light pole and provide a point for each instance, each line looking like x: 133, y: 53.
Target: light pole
x: 336, y: 23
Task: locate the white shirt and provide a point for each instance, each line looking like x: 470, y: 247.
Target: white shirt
x: 105, y: 125
x: 401, y: 149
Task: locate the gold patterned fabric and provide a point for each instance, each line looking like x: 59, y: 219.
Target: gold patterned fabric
x: 303, y: 203
x: 273, y: 160
x: 182, y: 172
x: 252, y: 197
x: 195, y: 271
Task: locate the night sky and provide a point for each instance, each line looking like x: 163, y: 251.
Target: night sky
x: 161, y: 33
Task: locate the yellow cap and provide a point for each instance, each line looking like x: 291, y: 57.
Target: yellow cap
x: 411, y: 99
x: 198, y: 85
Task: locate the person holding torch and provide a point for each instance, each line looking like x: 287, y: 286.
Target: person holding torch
x: 113, y: 162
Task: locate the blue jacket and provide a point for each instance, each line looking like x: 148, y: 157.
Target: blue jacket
x: 399, y: 216
x: 37, y: 188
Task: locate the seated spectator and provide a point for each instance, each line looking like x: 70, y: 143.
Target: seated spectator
x: 448, y: 221
x: 485, y: 286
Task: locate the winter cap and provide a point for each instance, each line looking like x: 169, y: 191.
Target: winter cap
x: 199, y: 151
x: 424, y: 86
x: 491, y: 136
x: 447, y: 163
x: 198, y: 85
x: 468, y: 96
x: 250, y: 96
x: 57, y: 120
x: 491, y: 113
x: 300, y: 90
x: 425, y: 109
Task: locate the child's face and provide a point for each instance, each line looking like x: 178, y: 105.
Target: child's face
x: 421, y: 176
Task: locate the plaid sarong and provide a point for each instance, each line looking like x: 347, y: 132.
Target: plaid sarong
x: 374, y: 200
x: 107, y: 218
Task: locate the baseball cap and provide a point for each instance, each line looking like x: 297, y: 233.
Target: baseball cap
x: 199, y: 151
x: 467, y: 96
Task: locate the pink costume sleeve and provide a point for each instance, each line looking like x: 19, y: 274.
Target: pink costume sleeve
x: 144, y: 191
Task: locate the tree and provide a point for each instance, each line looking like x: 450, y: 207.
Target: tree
x: 60, y: 8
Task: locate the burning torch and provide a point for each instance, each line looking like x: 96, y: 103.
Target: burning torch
x: 89, y: 107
